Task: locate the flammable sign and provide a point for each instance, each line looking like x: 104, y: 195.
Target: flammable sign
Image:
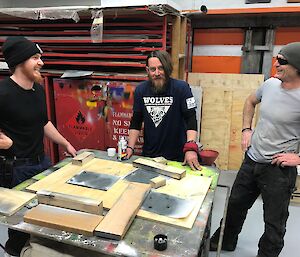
x: 79, y: 126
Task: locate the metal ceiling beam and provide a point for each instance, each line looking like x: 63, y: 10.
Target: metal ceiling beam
x: 240, y: 21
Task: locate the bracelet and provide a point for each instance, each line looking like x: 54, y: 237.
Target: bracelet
x: 191, y: 146
x: 244, y: 129
x: 132, y: 149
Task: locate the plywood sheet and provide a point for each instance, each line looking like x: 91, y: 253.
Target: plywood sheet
x: 119, y: 218
x: 189, y: 187
x: 224, y: 96
x: 56, y: 182
x: 197, y: 93
x: 216, y: 118
x: 235, y: 153
x: 63, y: 219
x: 226, y: 81
x: 12, y: 200
x: 194, y: 187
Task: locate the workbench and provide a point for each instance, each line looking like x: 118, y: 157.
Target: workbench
x: 139, y: 238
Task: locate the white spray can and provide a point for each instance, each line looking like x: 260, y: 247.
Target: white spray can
x: 122, y: 145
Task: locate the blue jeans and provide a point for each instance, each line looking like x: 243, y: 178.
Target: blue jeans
x: 275, y: 184
x: 28, y: 170
x: 17, y: 239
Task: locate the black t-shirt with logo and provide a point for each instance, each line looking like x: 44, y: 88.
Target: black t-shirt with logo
x: 164, y: 125
x: 23, y: 115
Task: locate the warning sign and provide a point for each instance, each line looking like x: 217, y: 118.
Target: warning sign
x: 79, y: 126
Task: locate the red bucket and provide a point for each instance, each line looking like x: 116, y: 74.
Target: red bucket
x: 208, y: 157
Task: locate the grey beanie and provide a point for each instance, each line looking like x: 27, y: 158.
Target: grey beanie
x: 17, y: 49
x: 291, y: 52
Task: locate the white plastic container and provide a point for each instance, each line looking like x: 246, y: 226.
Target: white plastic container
x: 111, y: 152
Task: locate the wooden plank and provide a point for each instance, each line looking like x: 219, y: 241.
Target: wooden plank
x: 118, y: 220
x: 63, y: 219
x: 12, y: 200
x: 183, y: 39
x: 161, y: 160
x: 158, y: 182
x: 56, y: 181
x: 170, y: 171
x: 83, y: 158
x: 72, y: 202
x: 175, y: 49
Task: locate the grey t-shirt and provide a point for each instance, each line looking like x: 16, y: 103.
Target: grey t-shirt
x: 278, y: 128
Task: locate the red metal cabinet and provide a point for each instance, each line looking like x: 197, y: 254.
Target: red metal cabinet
x: 93, y: 113
x: 79, y: 106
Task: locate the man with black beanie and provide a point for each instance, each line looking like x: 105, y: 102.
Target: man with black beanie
x: 272, y: 154
x: 23, y: 122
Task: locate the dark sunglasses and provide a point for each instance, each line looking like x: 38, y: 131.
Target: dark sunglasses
x: 281, y: 61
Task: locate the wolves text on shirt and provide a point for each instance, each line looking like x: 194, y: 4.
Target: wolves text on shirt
x: 163, y: 100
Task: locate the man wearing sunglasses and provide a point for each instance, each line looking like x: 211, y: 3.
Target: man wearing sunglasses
x: 167, y: 108
x: 272, y: 154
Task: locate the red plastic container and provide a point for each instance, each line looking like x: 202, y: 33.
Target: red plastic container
x: 208, y: 157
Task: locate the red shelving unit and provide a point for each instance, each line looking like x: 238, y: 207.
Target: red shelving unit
x: 129, y: 35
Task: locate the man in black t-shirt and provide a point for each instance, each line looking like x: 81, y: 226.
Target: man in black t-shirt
x: 23, y: 122
x: 167, y: 108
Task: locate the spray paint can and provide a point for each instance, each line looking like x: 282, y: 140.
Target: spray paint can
x: 122, y: 145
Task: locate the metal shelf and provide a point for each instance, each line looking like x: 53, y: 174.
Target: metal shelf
x: 129, y: 35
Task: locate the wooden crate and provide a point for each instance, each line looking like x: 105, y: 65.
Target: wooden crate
x: 222, y: 108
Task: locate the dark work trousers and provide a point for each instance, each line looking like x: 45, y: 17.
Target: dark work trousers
x: 17, y: 239
x: 275, y: 184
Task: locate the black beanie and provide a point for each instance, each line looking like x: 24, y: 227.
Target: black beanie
x: 17, y: 49
x: 291, y: 52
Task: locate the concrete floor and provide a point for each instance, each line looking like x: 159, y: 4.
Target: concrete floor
x: 252, y: 230
x: 253, y: 226
x: 3, y: 238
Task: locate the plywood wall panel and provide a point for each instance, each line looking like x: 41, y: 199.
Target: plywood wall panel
x: 223, y: 100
